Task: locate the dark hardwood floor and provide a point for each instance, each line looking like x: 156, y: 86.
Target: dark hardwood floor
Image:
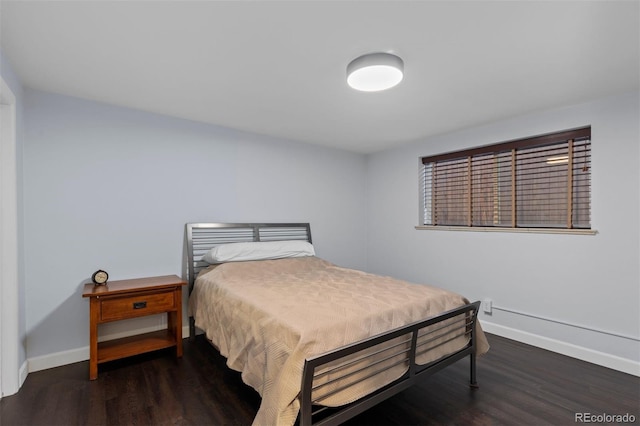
x: 519, y: 385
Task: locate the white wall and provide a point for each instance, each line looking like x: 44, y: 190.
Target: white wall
x: 111, y: 188
x: 107, y: 187
x: 591, y: 281
x: 15, y: 85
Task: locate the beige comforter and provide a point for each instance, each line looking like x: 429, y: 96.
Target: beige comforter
x: 267, y: 316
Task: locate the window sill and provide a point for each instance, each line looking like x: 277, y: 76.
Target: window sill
x: 512, y: 230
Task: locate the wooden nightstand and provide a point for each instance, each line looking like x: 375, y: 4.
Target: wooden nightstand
x: 135, y: 298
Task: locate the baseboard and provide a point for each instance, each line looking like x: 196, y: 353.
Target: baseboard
x: 23, y: 373
x: 22, y: 376
x: 71, y: 356
x: 595, y: 357
x: 58, y: 359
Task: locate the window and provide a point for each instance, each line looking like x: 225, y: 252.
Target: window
x: 539, y: 182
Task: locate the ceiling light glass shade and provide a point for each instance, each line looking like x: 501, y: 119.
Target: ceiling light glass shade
x: 375, y: 72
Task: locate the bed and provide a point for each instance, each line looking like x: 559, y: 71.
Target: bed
x: 318, y: 342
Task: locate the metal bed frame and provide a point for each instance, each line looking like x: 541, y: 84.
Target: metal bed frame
x: 399, y: 346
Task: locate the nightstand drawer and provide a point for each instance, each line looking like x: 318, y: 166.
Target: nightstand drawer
x: 136, y: 305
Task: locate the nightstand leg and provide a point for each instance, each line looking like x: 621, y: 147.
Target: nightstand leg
x: 175, y: 321
x: 93, y: 338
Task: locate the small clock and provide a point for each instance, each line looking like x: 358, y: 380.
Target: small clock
x: 100, y: 277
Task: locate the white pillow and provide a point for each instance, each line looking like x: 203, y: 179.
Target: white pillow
x: 262, y: 250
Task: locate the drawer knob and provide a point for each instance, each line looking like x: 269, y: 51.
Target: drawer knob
x: 139, y: 305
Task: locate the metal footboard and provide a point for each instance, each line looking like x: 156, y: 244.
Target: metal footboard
x: 337, y: 371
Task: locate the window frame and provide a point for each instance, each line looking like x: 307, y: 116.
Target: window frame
x: 536, y: 142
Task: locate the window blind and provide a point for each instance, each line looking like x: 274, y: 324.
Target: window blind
x: 539, y: 182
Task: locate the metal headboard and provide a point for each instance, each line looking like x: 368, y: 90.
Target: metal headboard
x: 201, y: 237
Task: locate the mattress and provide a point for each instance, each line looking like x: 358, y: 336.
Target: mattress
x: 266, y: 317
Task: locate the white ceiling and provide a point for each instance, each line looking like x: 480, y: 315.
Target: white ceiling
x: 278, y: 67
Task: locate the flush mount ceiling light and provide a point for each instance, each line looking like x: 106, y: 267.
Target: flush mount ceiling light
x: 374, y: 72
